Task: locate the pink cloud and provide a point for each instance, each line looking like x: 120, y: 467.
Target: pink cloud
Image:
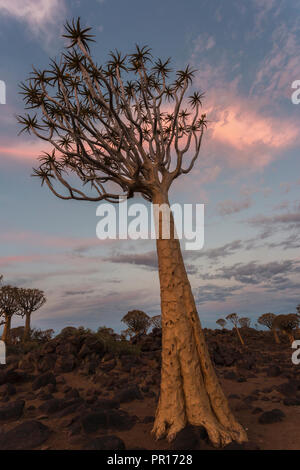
x: 250, y: 137
x: 40, y: 239
x: 10, y: 260
x: 28, y: 151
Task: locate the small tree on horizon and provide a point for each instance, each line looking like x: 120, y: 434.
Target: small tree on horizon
x: 287, y: 324
x: 9, y: 306
x: 156, y: 321
x: 121, y: 129
x: 244, y: 322
x: 137, y: 321
x: 234, y: 319
x: 267, y: 320
x: 221, y: 322
x: 29, y: 301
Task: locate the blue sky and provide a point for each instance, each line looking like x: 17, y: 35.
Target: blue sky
x: 247, y: 55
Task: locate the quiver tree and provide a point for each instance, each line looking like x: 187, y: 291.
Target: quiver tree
x: 234, y: 319
x: 244, y: 322
x: 267, y: 320
x: 29, y: 300
x: 156, y: 321
x: 126, y: 128
x: 287, y: 324
x: 9, y: 306
x: 221, y: 322
x: 137, y: 321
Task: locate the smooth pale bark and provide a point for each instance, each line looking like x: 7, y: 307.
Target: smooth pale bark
x: 276, y: 337
x: 27, y: 327
x: 6, y: 329
x: 190, y: 391
x: 240, y: 336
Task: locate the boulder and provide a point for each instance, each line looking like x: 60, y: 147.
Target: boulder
x: 270, y: 417
x: 42, y: 380
x: 12, y: 411
x: 25, y: 436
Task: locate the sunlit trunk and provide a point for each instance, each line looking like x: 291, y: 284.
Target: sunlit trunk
x: 27, y: 327
x: 239, y: 335
x: 190, y: 391
x: 6, y: 330
x: 276, y: 337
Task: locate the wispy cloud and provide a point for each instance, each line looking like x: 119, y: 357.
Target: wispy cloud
x: 40, y: 16
x: 229, y: 207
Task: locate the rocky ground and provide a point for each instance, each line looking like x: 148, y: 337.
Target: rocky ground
x: 71, y: 393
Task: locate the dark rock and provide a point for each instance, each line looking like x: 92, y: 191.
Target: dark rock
x: 108, y: 366
x: 52, y: 406
x: 72, y: 393
x: 43, y: 380
x: 224, y: 356
x: 13, y: 376
x: 25, y: 436
x: 12, y: 411
x: 65, y: 363
x: 148, y: 419
x: 231, y: 375
x: 109, y: 442
x: 115, y: 419
x: 91, y: 345
x: 46, y: 364
x: 48, y: 348
x: 129, y: 394
x: 26, y: 364
x: 7, y: 390
x: 56, y: 405
x: 290, y: 401
x: 288, y: 388
x: 256, y: 410
x: 273, y: 416
x: 105, y: 404
x: 189, y: 438
x: 65, y: 349
x: 70, y: 407
x: 93, y: 421
x: 241, y: 379
x: 273, y: 371
x: 45, y: 396
x: 120, y: 420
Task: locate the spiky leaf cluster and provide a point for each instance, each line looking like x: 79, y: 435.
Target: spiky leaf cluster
x: 120, y: 128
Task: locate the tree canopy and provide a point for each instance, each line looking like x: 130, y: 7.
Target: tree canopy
x: 267, y: 320
x: 118, y: 128
x: 137, y: 321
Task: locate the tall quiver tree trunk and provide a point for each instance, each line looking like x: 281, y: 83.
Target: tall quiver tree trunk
x: 190, y: 391
x: 6, y: 329
x: 239, y: 336
x: 27, y: 327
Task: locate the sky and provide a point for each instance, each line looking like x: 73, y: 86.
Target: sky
x: 246, y: 53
